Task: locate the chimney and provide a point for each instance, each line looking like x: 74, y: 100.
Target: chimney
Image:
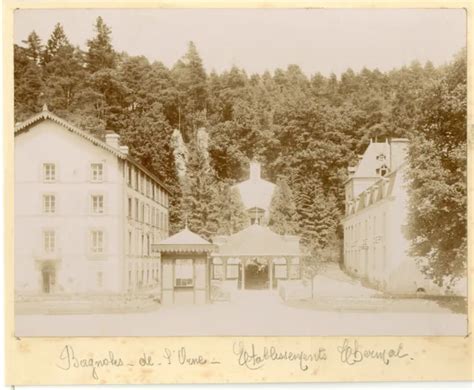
x: 123, y: 149
x: 112, y: 139
x: 398, y: 152
x: 254, y: 170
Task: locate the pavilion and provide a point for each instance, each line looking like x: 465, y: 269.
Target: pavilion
x: 255, y: 258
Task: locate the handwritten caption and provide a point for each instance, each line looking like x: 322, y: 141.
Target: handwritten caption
x: 250, y: 356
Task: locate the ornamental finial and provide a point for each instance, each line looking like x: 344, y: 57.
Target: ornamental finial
x: 45, y: 107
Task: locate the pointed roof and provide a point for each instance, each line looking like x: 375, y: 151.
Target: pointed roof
x: 184, y: 241
x: 257, y: 240
x: 256, y: 192
x: 45, y: 114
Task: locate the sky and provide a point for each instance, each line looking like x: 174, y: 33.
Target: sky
x: 325, y: 41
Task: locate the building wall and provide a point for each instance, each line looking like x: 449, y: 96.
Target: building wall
x: 78, y: 269
x: 126, y: 262
x: 375, y: 248
x: 146, y: 221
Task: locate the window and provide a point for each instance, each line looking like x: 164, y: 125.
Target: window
x: 129, y: 212
x: 281, y: 269
x: 129, y: 175
x: 382, y: 171
x: 136, y: 209
x: 97, y: 241
x: 49, y: 172
x: 295, y: 268
x: 130, y: 240
x: 49, y: 204
x: 146, y: 212
x: 99, y: 279
x: 98, y: 204
x: 49, y: 241
x: 97, y: 172
x: 232, y: 269
x: 184, y: 273
x: 217, y: 269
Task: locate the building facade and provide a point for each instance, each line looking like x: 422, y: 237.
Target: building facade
x: 376, y: 205
x: 86, y: 214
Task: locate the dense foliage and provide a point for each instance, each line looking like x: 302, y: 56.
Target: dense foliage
x: 304, y: 130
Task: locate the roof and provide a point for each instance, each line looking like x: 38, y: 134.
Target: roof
x: 369, y: 162
x: 184, y: 241
x: 385, y: 188
x: 45, y: 114
x: 257, y: 240
x: 256, y: 193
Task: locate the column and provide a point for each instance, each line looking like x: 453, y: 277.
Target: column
x: 243, y: 274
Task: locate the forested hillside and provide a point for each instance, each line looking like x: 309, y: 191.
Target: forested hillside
x: 304, y: 129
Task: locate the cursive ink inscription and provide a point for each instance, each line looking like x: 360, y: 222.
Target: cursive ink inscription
x: 253, y: 360
x: 69, y: 360
x: 350, y: 353
x: 183, y: 358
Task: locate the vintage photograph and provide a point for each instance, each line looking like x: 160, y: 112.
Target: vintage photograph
x: 240, y: 172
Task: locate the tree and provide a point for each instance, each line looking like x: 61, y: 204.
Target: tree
x: 199, y: 191
x: 101, y: 54
x: 28, y: 85
x: 437, y: 178
x: 230, y: 214
x: 283, y: 214
x: 191, y: 83
x: 33, y: 47
x: 56, y: 41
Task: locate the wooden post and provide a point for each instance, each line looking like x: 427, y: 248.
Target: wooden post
x: 270, y: 272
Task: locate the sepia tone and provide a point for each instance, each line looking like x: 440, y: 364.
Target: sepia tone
x: 135, y: 216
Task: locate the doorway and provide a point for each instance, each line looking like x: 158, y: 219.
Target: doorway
x: 256, y: 274
x: 48, y: 273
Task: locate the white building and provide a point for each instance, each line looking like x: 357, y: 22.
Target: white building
x: 86, y: 214
x: 256, y: 194
x: 375, y: 246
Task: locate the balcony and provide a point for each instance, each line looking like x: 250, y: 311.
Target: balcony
x: 43, y: 256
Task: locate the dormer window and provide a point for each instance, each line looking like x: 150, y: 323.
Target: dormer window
x: 382, y: 171
x: 381, y: 157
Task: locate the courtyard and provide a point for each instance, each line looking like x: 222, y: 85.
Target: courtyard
x: 264, y: 313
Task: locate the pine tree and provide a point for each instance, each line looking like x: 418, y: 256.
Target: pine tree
x: 230, y: 215
x: 56, y: 41
x: 34, y: 47
x: 199, y: 192
x: 283, y: 214
x: 101, y: 54
x: 191, y: 83
x: 28, y: 85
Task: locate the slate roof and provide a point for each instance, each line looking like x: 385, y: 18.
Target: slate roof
x: 257, y: 240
